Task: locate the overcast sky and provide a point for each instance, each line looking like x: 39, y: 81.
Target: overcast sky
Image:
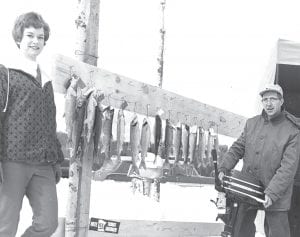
x: 217, y: 51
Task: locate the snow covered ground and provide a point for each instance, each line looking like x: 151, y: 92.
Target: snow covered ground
x: 115, y: 200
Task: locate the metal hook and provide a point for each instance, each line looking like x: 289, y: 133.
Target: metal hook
x: 70, y: 69
x: 91, y: 72
x: 201, y: 122
x: 186, y: 118
x: 134, y: 109
x: 108, y: 98
x: 196, y: 120
x: 148, y: 110
x: 90, y: 79
x: 177, y: 116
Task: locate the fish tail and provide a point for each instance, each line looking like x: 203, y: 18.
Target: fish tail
x: 143, y: 164
x: 135, y: 170
x: 119, y: 156
x: 155, y: 159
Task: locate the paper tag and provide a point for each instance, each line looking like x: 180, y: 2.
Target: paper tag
x: 103, y: 225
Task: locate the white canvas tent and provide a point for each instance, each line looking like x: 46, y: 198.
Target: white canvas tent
x: 288, y: 52
x: 284, y: 69
x: 287, y: 74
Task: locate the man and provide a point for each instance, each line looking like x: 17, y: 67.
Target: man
x: 269, y: 146
x: 294, y: 213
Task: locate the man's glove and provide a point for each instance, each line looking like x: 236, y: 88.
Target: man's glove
x: 57, y: 172
x: 221, y: 176
x: 268, y: 201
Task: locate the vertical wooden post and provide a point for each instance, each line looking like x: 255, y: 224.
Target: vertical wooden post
x: 162, y: 46
x: 87, y: 51
x: 87, y: 27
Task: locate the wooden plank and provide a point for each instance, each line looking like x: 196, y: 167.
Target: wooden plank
x: 121, y: 175
x: 182, y: 180
x: 147, y: 99
x: 145, y: 228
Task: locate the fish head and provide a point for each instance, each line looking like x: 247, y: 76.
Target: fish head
x: 87, y: 91
x: 134, y: 120
x: 81, y: 99
x: 74, y: 81
x: 99, y: 95
x: 145, y: 121
x: 124, y: 104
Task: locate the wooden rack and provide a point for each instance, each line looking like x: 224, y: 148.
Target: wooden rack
x: 146, y: 99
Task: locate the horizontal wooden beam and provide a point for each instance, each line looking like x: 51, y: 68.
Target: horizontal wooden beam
x: 146, y: 99
x: 147, y: 228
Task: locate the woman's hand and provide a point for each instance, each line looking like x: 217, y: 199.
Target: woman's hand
x: 57, y: 172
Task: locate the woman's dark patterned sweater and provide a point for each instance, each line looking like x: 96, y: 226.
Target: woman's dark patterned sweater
x: 28, y: 127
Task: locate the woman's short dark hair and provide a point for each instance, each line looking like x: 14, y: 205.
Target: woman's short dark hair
x: 26, y: 20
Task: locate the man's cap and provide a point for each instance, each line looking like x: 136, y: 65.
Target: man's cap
x: 272, y: 87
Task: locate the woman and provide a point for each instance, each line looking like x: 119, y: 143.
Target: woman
x: 30, y: 152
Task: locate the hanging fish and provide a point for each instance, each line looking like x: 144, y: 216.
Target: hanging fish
x: 169, y: 139
x: 214, y: 153
x: 178, y: 143
x: 90, y: 116
x: 209, y: 146
x: 77, y: 129
x: 97, y: 132
x: 97, y: 136
x: 201, y: 148
x: 157, y: 135
x: 172, y: 149
x: 70, y: 106
x: 120, y: 132
x: 110, y: 164
x: 185, y: 142
x: 145, y: 142
x: 216, y: 142
x: 107, y: 133
x: 192, y: 145
x: 215, y: 148
x: 134, y: 143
